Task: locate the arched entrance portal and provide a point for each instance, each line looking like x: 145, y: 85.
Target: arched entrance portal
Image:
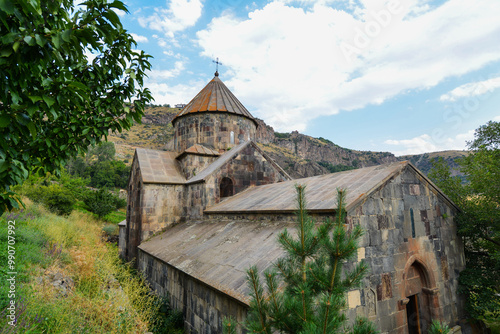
x: 420, y: 297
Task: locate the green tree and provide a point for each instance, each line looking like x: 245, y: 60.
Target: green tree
x: 305, y: 291
x: 55, y: 99
x: 479, y: 219
x: 100, y: 202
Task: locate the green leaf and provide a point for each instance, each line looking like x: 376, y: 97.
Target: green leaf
x: 3, y: 165
x: 79, y: 85
x: 56, y: 40
x: 5, y: 52
x: 118, y: 5
x: 16, y: 45
x: 66, y: 34
x: 23, y: 119
x: 4, y: 121
x: 40, y: 40
x: 34, y: 98
x: 29, y: 40
x: 49, y: 100
x: 7, y: 6
x: 32, y: 128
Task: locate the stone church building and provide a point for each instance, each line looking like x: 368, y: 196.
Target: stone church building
x: 199, y: 216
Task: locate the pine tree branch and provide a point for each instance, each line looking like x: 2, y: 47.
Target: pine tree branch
x: 325, y: 323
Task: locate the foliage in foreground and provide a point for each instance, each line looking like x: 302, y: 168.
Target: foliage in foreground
x: 56, y: 101
x: 479, y: 221
x: 305, y: 291
x: 107, y: 295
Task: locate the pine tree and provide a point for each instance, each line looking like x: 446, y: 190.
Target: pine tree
x: 306, y: 289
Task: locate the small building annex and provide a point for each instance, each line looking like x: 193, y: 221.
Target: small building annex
x: 200, y: 216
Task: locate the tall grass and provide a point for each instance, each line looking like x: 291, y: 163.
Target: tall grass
x: 104, y: 296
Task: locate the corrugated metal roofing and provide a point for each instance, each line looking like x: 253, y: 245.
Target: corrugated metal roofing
x: 215, y: 97
x: 219, y: 253
x: 159, y: 167
x: 320, y: 191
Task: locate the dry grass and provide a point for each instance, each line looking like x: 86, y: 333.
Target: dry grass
x: 105, y: 297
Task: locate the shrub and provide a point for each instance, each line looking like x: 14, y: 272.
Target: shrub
x: 58, y: 200
x: 438, y: 327
x: 167, y: 319
x: 100, y: 202
x: 119, y: 202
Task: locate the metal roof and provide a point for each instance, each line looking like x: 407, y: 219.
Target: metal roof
x: 199, y: 150
x: 215, y: 97
x: 321, y: 191
x: 159, y: 167
x: 219, y: 253
x: 219, y: 162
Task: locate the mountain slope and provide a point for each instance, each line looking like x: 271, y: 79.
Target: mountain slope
x: 300, y: 155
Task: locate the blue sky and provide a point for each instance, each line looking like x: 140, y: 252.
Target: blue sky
x: 405, y: 76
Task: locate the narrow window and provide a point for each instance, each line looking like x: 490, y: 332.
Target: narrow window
x: 231, y: 138
x: 412, y: 224
x: 226, y: 187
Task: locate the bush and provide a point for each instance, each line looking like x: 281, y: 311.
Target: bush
x: 55, y: 197
x: 100, y: 202
x: 438, y: 327
x: 167, y: 319
x: 58, y: 200
x: 119, y: 202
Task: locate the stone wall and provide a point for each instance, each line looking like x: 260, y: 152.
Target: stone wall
x: 134, y: 212
x: 192, y: 164
x: 151, y: 208
x: 420, y: 256
x: 203, y: 306
x: 247, y: 168
x: 212, y: 130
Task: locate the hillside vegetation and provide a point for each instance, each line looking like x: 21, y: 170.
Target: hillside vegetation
x: 69, y: 280
x: 298, y: 154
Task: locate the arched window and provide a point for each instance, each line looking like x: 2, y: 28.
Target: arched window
x: 226, y: 187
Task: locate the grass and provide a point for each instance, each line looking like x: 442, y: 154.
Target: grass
x: 101, y: 295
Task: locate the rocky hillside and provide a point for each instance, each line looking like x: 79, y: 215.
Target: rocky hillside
x: 424, y: 161
x: 303, y: 156
x: 300, y: 155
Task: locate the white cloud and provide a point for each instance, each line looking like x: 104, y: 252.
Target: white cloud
x: 472, y: 89
x: 426, y: 143
x: 179, y: 15
x: 139, y: 38
x: 159, y: 75
x: 172, y: 94
x: 295, y: 64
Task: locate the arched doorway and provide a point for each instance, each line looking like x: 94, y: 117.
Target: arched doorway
x: 420, y: 296
x: 226, y: 187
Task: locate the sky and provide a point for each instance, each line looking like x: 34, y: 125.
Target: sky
x: 404, y: 76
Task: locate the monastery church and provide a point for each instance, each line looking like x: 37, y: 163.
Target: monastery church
x: 199, y: 216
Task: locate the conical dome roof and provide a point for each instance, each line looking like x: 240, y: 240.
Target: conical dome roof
x: 215, y: 97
